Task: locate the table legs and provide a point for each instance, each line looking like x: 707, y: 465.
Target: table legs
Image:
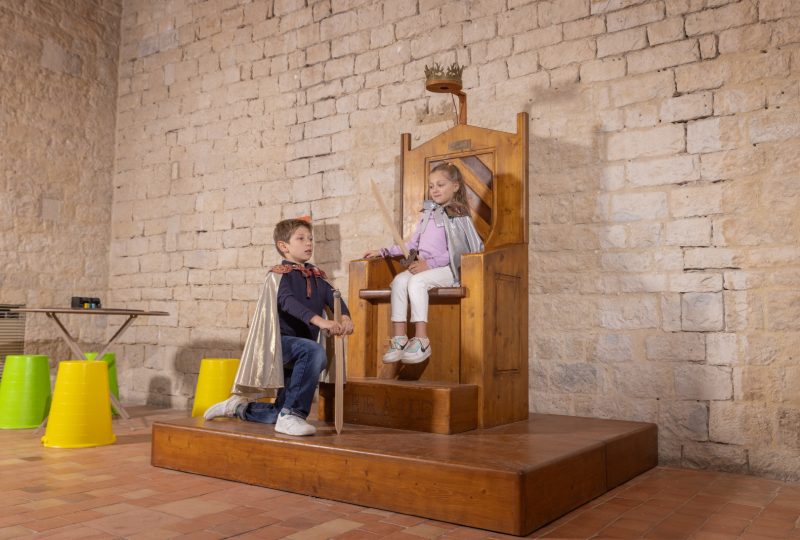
x: 73, y: 345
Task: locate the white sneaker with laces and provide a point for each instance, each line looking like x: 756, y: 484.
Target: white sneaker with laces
x: 417, y: 350
x: 225, y: 408
x: 395, y: 352
x: 290, y: 424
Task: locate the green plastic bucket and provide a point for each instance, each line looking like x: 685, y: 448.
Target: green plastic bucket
x: 24, y: 391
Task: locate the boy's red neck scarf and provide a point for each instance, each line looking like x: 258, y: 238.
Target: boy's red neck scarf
x: 306, y: 271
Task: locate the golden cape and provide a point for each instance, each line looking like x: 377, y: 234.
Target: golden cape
x: 261, y: 366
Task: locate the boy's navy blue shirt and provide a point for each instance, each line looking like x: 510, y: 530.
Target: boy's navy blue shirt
x: 295, y: 308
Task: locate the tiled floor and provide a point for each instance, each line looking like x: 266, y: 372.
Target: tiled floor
x: 113, y: 492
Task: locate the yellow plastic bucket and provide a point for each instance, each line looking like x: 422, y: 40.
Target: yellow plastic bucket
x: 110, y: 359
x: 80, y: 415
x: 214, y: 382
x: 24, y: 391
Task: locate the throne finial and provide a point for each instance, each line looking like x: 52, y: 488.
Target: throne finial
x: 447, y: 80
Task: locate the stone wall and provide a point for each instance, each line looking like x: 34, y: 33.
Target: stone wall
x: 58, y: 91
x: 664, y: 188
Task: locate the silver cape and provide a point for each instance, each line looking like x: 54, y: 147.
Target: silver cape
x: 260, y: 371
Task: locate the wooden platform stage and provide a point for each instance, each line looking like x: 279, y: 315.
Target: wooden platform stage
x: 511, y: 479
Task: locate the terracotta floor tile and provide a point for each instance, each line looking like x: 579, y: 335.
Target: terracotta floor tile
x: 40, y: 525
x: 424, y: 530
x: 578, y: 528
x: 635, y: 525
x: 729, y: 528
x: 739, y: 510
x: 15, y: 532
x: 323, y: 531
x: 272, y: 532
x: 441, y: 524
x: 382, y: 528
x: 619, y: 531
x: 159, y: 534
x: 705, y: 535
x: 80, y: 517
x: 212, y: 520
x: 647, y: 512
x: 186, y: 526
x: 403, y: 519
x: 76, y: 532
x: 781, y: 514
x: 364, y: 517
x: 727, y: 520
x: 771, y: 531
x: 205, y: 535
x: 13, y: 519
x: 300, y: 522
x: 462, y: 533
x: 357, y: 534
x: 192, y: 508
x: 117, y: 508
x: 239, y: 526
x: 675, y: 526
x: 401, y: 536
x: 132, y: 522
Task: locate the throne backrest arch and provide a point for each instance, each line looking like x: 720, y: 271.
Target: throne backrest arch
x: 495, y: 169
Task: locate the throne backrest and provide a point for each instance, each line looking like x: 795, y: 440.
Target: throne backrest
x: 494, y: 165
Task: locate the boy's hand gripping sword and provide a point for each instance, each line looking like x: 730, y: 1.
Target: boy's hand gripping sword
x: 408, y: 257
x: 338, y: 403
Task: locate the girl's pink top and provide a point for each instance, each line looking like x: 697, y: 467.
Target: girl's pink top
x: 431, y: 244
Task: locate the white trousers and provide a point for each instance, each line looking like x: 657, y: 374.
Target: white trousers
x: 408, y: 287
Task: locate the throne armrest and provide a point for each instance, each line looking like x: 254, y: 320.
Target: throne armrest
x: 509, y: 259
x: 373, y: 273
x: 494, y: 323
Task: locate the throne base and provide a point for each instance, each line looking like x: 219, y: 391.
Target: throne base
x: 434, y: 407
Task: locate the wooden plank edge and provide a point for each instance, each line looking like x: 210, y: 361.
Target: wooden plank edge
x: 352, y: 476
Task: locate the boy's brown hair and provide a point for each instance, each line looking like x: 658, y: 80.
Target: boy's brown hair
x: 285, y: 229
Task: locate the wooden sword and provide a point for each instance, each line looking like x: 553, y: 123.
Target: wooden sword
x: 338, y: 350
x: 408, y: 257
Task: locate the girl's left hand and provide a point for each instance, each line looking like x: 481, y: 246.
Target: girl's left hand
x: 418, y: 266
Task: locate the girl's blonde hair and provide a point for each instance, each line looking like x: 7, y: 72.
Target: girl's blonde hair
x: 453, y: 173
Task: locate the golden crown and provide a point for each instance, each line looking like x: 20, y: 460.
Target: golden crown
x: 438, y: 72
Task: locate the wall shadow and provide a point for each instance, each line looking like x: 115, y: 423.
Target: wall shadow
x: 328, y: 248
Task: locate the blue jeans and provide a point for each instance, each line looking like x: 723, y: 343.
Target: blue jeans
x: 303, y: 361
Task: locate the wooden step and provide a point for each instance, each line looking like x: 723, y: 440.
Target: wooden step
x: 433, y: 407
x: 512, y: 479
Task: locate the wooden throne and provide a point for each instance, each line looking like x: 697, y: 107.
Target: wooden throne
x: 513, y: 478
x: 477, y: 376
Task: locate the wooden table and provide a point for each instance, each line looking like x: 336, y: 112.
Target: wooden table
x: 132, y: 314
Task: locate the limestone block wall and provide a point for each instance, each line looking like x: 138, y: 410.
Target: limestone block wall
x: 58, y: 91
x: 664, y: 188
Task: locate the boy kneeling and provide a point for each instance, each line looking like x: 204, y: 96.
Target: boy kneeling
x: 292, y: 301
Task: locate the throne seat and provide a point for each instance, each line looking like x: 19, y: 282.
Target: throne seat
x: 385, y: 295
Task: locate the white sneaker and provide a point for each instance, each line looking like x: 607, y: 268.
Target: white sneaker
x: 417, y: 350
x: 225, y: 408
x: 290, y: 424
x: 395, y: 352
